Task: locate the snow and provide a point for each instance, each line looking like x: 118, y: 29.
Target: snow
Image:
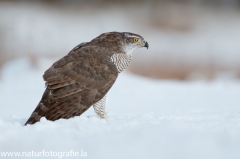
x: 145, y: 118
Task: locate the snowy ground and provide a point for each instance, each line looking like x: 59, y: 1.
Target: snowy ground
x: 146, y: 119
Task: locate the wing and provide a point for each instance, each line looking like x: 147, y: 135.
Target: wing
x: 74, y: 83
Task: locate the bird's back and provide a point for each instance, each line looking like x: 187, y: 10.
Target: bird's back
x: 75, y: 82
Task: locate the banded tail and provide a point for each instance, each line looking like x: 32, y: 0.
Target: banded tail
x: 41, y: 108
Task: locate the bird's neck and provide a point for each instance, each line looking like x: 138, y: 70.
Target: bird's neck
x: 121, y: 60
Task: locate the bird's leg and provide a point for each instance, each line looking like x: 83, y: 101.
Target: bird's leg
x: 99, y: 108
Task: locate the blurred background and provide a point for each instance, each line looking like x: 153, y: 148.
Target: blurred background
x: 189, y: 39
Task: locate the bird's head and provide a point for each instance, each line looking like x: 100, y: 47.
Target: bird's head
x: 133, y: 41
x: 120, y: 41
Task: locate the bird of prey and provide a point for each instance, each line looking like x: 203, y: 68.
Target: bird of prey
x: 83, y: 77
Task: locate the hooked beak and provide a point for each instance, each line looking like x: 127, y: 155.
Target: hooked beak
x: 146, y: 45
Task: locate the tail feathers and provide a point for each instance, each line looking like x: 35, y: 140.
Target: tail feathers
x: 40, y: 110
x: 37, y: 114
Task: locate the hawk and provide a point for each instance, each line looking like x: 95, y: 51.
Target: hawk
x: 83, y: 77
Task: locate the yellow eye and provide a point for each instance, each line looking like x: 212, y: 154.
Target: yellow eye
x: 135, y: 40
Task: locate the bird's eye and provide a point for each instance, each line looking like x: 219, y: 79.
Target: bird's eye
x: 135, y: 40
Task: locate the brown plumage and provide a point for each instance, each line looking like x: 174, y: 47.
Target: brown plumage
x: 81, y: 78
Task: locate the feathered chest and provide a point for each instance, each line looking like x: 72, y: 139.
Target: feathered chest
x: 122, y: 61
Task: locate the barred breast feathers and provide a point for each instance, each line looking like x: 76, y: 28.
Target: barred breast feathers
x: 121, y: 60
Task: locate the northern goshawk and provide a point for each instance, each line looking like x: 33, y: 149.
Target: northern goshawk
x: 83, y: 77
